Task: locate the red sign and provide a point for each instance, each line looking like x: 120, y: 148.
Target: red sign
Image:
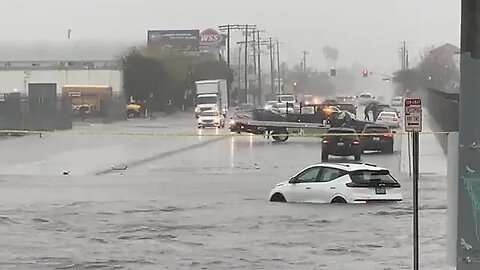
x: 210, y: 37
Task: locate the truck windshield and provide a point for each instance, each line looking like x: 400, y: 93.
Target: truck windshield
x: 209, y: 114
x: 287, y: 98
x: 206, y: 100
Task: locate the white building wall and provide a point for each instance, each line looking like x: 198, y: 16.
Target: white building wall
x: 19, y: 79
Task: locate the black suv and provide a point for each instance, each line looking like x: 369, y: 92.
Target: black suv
x: 341, y: 142
x: 377, y: 138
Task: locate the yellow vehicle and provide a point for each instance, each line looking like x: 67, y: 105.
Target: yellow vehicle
x: 134, y: 109
x: 91, y: 96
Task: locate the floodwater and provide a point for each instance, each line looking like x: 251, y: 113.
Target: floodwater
x: 188, y: 204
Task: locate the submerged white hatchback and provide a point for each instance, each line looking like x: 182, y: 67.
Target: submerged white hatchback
x: 339, y: 183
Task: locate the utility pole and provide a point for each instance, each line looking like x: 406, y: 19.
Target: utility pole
x: 239, y: 68
x: 246, y: 63
x: 229, y: 28
x: 279, y: 75
x: 254, y: 46
x: 404, y: 56
x: 468, y: 218
x: 305, y: 53
x: 272, y: 66
x: 259, y: 68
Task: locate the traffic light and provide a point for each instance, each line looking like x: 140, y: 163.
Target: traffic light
x: 333, y: 72
x: 365, y: 73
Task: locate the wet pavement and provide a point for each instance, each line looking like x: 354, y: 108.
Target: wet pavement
x: 194, y: 202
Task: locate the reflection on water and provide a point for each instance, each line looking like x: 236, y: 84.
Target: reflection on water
x: 232, y: 152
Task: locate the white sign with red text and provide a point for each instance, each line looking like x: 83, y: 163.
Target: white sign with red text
x: 413, y: 115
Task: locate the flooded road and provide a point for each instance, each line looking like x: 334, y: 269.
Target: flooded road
x: 193, y: 202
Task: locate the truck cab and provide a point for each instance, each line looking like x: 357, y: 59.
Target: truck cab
x: 211, y: 96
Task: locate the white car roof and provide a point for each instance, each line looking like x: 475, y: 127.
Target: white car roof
x: 350, y: 167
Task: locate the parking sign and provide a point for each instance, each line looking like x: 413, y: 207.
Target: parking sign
x: 413, y: 115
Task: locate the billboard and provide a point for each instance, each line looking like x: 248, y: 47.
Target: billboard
x: 183, y: 40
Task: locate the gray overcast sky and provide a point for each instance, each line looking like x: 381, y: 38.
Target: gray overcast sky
x: 367, y: 31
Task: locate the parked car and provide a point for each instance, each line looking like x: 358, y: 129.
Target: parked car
x: 339, y: 183
x: 341, y: 142
x: 377, y: 138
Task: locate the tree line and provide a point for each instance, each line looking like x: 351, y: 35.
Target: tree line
x: 160, y: 76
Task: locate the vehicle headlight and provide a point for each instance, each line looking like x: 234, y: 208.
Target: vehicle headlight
x: 232, y: 122
x: 199, y: 120
x: 197, y: 110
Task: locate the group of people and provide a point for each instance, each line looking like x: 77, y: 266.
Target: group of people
x: 371, y: 107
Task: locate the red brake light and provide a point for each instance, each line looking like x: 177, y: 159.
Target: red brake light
x: 325, y: 141
x: 388, y: 135
x: 356, y: 142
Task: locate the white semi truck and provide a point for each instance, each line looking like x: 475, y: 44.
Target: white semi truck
x: 211, y: 96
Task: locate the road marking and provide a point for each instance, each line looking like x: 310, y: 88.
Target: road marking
x: 161, y: 155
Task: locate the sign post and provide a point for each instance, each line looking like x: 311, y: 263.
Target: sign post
x: 413, y: 124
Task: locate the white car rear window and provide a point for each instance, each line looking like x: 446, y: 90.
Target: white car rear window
x: 366, y: 176
x: 388, y: 114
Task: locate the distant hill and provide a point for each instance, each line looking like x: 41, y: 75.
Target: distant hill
x: 65, y: 50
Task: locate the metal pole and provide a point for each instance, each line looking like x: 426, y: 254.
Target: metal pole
x: 259, y: 69
x: 278, y: 69
x: 468, y: 231
x: 409, y: 138
x: 416, y: 157
x: 246, y: 63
